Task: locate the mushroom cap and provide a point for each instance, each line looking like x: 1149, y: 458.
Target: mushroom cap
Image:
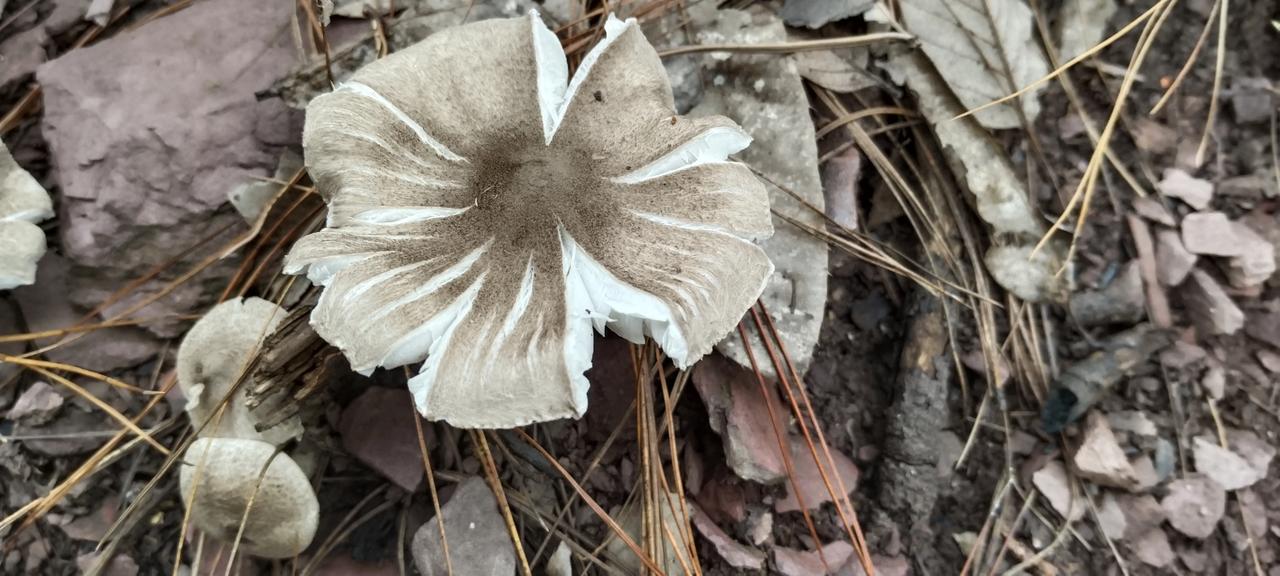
x: 487, y: 211
x: 21, y: 247
x: 210, y: 360
x: 21, y: 196
x: 285, y: 511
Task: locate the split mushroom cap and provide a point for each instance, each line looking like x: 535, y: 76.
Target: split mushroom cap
x: 486, y: 211
x: 285, y: 511
x: 210, y: 360
x: 23, y: 203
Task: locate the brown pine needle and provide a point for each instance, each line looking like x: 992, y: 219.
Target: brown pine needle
x: 431, y: 485
x: 75, y: 370
x: 791, y: 47
x: 591, y: 502
x: 495, y: 484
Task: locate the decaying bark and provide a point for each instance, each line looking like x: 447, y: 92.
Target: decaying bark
x: 908, y: 475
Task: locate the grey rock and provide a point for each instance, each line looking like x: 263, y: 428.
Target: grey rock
x: 20, y: 54
x: 817, y: 13
x: 1252, y: 100
x: 478, y: 541
x: 46, y: 306
x: 1173, y: 261
x: 1120, y: 302
x: 765, y: 95
x: 1209, y: 306
x: 143, y: 154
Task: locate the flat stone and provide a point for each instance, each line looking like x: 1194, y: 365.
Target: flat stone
x: 119, y: 565
x: 47, y: 307
x: 1256, y: 451
x: 1173, y: 261
x: 1142, y: 513
x: 1111, y: 517
x: 1153, y: 549
x: 1228, y: 469
x: 20, y: 54
x: 1053, y: 482
x: 1252, y: 99
x: 735, y: 553
x: 1181, y: 354
x: 792, y: 562
x: 37, y: 404
x: 478, y: 541
x: 1122, y: 301
x: 144, y: 171
x: 739, y: 412
x: 1194, y: 505
x: 378, y: 429
x: 1145, y: 469
x: 1154, y: 137
x: 1269, y: 360
x: 1209, y: 306
x: 817, y: 13
x: 765, y: 95
x: 1100, y: 457
x: 1153, y: 210
x: 1196, y: 192
x: 808, y: 479
x: 1210, y: 234
x: 1135, y: 421
x: 1265, y: 327
x: 1256, y: 262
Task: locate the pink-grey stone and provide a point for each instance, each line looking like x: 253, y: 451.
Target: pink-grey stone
x: 1194, y: 505
x: 1210, y: 234
x: 1153, y: 548
x: 1209, y: 306
x: 808, y: 479
x: 1173, y: 261
x: 378, y: 429
x: 148, y: 131
x: 1196, y: 192
x: 1256, y: 262
x: 739, y: 411
x: 735, y: 553
x: 479, y: 544
x: 46, y: 307
x: 792, y: 562
x: 1153, y: 210
x: 1100, y: 457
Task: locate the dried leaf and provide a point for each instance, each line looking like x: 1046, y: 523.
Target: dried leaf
x: 964, y: 40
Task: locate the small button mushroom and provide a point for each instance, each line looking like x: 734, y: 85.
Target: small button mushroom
x: 23, y: 203
x: 210, y: 360
x: 489, y: 235
x: 282, y: 521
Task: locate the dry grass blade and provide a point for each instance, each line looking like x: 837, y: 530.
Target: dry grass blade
x: 1083, y: 194
x: 431, y: 485
x: 75, y: 370
x: 591, y: 502
x: 791, y: 47
x: 1072, y: 62
x: 784, y: 443
x: 495, y: 484
x: 101, y: 405
x: 248, y: 509
x: 1215, y: 97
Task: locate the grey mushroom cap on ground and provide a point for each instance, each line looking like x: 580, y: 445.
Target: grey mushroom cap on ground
x: 210, y: 360
x: 285, y: 511
x: 487, y: 211
x: 23, y: 203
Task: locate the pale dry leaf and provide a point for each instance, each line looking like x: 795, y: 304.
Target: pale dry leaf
x: 999, y: 196
x: 1081, y: 24
x: 984, y: 50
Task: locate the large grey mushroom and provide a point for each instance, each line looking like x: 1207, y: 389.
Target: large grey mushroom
x: 486, y: 211
x: 23, y: 203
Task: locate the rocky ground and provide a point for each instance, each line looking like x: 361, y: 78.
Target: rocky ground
x: 985, y: 406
